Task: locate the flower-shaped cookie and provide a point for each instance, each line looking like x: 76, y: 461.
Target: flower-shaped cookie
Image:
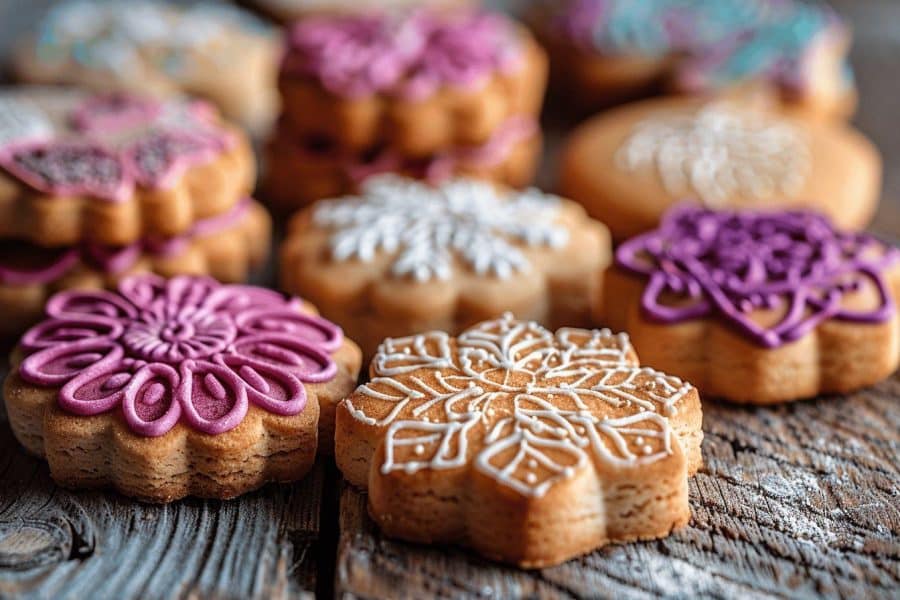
x: 404, y: 256
x: 215, y: 372
x: 113, y: 168
x: 741, y: 291
x: 529, y: 446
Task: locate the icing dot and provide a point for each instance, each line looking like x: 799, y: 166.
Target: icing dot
x: 532, y: 464
x: 419, y: 449
x: 153, y: 394
x: 531, y: 478
x: 648, y: 449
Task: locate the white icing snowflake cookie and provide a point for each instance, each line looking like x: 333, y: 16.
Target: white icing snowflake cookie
x: 404, y: 257
x: 631, y: 164
x: 528, y: 446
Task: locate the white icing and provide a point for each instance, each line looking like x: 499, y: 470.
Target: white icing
x: 527, y: 407
x: 428, y: 228
x: 22, y: 120
x: 718, y: 153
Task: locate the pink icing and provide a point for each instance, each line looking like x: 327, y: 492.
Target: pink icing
x: 188, y: 349
x: 112, y: 260
x: 410, y: 55
x: 165, y: 140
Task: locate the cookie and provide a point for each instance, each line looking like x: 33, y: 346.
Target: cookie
x: 529, y: 447
x: 113, y: 169
x: 605, y: 51
x: 227, y: 247
x: 629, y: 165
x: 509, y: 157
x: 418, y: 82
x: 287, y: 11
x: 758, y: 307
x: 175, y: 388
x: 405, y: 257
x: 160, y: 49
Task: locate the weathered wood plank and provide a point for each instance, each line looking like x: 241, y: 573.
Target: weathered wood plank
x: 56, y: 543
x: 800, y: 501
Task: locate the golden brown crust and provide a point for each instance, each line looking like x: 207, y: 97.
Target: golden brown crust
x: 449, y: 118
x: 843, y: 182
x: 203, y: 191
x: 229, y: 255
x: 836, y: 357
x: 101, y: 451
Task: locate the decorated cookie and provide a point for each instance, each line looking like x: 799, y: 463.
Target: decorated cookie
x: 159, y: 49
x: 629, y: 165
x: 604, y: 51
x: 404, y: 257
x: 758, y: 307
x: 227, y: 247
x: 288, y: 11
x: 419, y: 82
x: 169, y: 389
x: 113, y: 169
x: 529, y: 447
x: 509, y: 157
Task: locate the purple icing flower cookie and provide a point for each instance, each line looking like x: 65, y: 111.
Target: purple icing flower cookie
x: 762, y: 307
x: 216, y: 373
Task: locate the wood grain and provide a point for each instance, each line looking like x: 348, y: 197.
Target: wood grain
x: 801, y: 501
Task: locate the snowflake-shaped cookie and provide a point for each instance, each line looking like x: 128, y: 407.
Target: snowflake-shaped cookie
x: 429, y: 227
x: 512, y: 417
x: 718, y: 153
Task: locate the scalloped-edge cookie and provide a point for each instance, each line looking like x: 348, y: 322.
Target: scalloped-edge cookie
x: 182, y: 387
x: 607, y: 51
x: 758, y: 308
x: 529, y: 446
x: 227, y: 247
x: 404, y: 257
x: 160, y: 49
x: 510, y: 157
x: 418, y: 82
x: 112, y: 169
x: 631, y: 164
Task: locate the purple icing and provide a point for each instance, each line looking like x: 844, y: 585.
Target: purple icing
x: 409, y: 55
x: 732, y: 264
x: 186, y: 349
x: 160, y: 158
x: 113, y: 112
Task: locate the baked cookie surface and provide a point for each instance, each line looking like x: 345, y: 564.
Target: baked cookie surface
x: 607, y: 51
x: 758, y: 307
x: 174, y: 388
x: 159, y: 49
x: 629, y: 165
x: 227, y: 247
x: 113, y: 169
x: 528, y: 446
x: 404, y: 257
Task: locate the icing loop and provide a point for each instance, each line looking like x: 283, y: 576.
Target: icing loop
x: 525, y: 407
x: 163, y: 350
x: 743, y: 266
x: 428, y: 228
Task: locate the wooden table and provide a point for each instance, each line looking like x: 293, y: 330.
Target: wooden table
x: 799, y: 501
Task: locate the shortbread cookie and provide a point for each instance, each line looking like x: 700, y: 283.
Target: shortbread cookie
x: 758, y: 307
x: 527, y: 446
x: 629, y: 165
x: 605, y: 51
x: 227, y: 247
x: 170, y: 389
x: 113, y: 169
x: 298, y: 173
x: 160, y: 49
x: 419, y: 82
x: 405, y: 257
x: 287, y: 11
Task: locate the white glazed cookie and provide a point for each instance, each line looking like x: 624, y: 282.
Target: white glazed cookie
x: 528, y: 446
x: 629, y: 165
x: 154, y: 47
x: 404, y: 256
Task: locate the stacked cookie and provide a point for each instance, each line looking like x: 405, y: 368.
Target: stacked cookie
x: 430, y: 93
x: 93, y: 188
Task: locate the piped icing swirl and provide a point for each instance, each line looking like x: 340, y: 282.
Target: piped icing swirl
x: 185, y: 350
x: 748, y: 267
x: 410, y: 55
